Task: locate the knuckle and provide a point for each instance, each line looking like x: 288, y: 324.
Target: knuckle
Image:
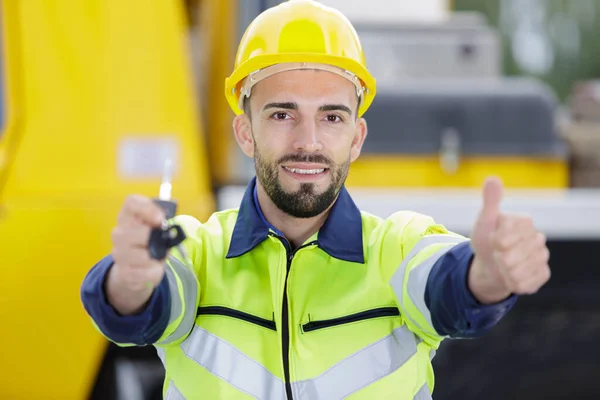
x: 547, y: 274
x: 546, y: 253
x: 526, y: 221
x: 541, y: 239
x: 118, y: 257
x: 117, y: 235
x: 504, y: 242
x: 134, y: 202
x: 130, y: 202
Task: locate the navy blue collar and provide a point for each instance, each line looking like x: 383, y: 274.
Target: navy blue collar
x: 340, y: 236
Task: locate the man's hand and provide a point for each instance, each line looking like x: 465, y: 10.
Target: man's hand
x: 134, y: 275
x: 511, y: 256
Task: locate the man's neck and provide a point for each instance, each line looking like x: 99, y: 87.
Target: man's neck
x: 296, y: 230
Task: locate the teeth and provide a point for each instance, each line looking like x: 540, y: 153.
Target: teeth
x: 305, y: 171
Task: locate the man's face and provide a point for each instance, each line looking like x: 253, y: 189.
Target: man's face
x: 303, y: 135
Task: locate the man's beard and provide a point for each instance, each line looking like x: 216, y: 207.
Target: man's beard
x: 304, y: 203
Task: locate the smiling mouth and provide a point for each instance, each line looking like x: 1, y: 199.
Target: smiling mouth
x: 306, y: 171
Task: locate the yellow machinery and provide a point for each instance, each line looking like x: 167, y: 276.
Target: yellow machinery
x: 97, y: 94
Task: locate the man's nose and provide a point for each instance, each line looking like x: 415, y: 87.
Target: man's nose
x: 307, y: 137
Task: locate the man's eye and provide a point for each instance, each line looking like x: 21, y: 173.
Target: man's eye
x: 334, y: 118
x: 280, y: 116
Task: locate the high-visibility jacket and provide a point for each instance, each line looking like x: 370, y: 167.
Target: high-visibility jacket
x: 355, y: 312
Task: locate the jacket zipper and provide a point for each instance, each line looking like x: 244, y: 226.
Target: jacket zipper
x: 285, y: 329
x: 230, y: 312
x: 361, y: 316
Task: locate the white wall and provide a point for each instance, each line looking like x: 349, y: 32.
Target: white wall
x: 391, y: 10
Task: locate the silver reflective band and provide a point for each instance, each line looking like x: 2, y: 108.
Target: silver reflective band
x: 160, y: 352
x: 417, y: 281
x: 360, y: 369
x: 173, y: 393
x: 176, y: 305
x: 423, y: 393
x: 230, y: 364
x: 432, y: 353
x: 189, y: 284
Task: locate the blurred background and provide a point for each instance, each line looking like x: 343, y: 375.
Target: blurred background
x: 96, y: 94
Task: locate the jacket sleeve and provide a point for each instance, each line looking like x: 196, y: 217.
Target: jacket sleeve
x: 141, y: 329
x: 169, y: 314
x: 430, y: 282
x: 455, y: 312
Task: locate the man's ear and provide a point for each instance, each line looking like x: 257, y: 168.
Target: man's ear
x: 242, y: 129
x: 360, y: 134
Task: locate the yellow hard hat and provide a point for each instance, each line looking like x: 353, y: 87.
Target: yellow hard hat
x: 299, y: 34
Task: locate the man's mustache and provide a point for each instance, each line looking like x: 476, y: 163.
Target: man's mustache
x: 305, y: 158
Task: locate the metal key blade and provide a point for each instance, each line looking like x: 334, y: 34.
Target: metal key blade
x: 166, y: 186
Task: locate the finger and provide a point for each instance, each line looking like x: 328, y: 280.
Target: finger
x: 492, y: 196
x: 515, y: 223
x: 533, y: 282
x: 132, y: 236
x: 520, y: 251
x: 535, y: 265
x: 134, y: 257
x: 141, y: 208
x: 505, y: 241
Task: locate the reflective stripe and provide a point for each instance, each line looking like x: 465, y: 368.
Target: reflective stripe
x: 189, y: 284
x: 360, y: 369
x: 418, y: 276
x: 176, y: 305
x: 432, y: 353
x: 230, y: 364
x: 160, y: 352
x: 173, y: 393
x: 423, y: 393
x: 417, y: 282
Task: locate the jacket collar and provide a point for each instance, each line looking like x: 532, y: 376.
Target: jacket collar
x: 340, y: 236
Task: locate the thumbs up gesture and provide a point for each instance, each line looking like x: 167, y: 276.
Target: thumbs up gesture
x: 511, y: 256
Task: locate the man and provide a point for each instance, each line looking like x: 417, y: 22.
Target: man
x: 298, y: 294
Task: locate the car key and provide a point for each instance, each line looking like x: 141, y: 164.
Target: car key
x: 167, y: 236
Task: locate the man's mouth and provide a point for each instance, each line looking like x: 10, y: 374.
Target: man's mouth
x: 302, y: 171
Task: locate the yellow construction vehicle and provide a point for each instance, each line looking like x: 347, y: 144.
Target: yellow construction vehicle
x: 96, y: 94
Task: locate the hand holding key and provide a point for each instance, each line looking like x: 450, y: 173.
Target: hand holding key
x: 135, y: 273
x: 141, y: 241
x: 167, y: 236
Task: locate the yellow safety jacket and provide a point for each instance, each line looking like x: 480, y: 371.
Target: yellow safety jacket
x: 342, y: 316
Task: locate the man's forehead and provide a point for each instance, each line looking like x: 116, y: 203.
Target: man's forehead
x: 304, y: 84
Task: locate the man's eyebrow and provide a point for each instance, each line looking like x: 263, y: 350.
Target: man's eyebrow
x: 285, y: 105
x: 335, y: 107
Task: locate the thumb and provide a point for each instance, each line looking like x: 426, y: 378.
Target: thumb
x: 492, y: 196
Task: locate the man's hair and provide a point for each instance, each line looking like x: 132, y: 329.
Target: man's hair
x: 246, y: 107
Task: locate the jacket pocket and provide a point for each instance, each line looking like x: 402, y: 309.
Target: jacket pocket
x: 232, y: 313
x: 361, y: 316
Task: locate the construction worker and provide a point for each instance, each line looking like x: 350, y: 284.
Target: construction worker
x: 298, y: 294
